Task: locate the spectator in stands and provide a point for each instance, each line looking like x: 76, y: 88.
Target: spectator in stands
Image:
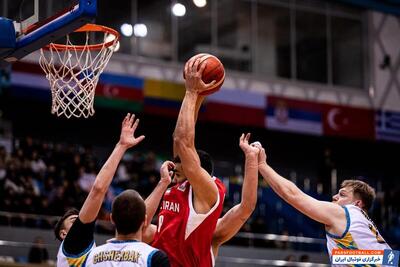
x: 37, y: 164
x: 86, y: 179
x: 38, y: 253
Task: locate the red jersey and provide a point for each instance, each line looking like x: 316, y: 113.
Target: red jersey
x: 182, y: 233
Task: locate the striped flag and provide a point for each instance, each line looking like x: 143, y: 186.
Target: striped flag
x: 120, y: 92
x: 29, y: 81
x: 290, y: 115
x: 235, y: 107
x: 387, y: 125
x: 163, y: 97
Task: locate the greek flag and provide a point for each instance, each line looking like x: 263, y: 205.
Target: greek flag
x: 388, y: 126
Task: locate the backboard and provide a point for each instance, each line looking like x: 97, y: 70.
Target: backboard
x: 32, y: 24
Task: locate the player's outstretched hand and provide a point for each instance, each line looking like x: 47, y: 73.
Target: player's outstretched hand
x: 262, y: 156
x: 167, y: 171
x: 193, y: 73
x: 129, y: 125
x: 247, y: 148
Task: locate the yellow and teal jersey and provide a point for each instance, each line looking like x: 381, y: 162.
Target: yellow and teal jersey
x: 65, y: 259
x: 360, y: 233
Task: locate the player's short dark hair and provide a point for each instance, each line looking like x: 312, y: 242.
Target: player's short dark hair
x: 361, y: 190
x: 60, y: 223
x: 128, y: 212
x: 206, y: 161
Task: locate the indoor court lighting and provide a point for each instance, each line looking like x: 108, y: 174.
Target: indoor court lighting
x: 178, y: 10
x: 140, y: 30
x: 127, y: 29
x: 200, y: 3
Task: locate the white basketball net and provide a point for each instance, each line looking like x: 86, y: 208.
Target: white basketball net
x: 73, y: 75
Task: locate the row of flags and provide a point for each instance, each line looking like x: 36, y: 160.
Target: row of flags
x: 227, y: 106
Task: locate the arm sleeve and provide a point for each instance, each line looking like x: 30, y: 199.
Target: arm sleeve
x: 79, y: 238
x: 159, y: 259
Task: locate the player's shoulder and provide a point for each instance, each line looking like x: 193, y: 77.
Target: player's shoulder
x: 159, y: 259
x: 351, y: 209
x: 220, y: 184
x: 98, y: 248
x: 77, y: 260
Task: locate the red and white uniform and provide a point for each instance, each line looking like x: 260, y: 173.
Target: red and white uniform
x: 182, y: 234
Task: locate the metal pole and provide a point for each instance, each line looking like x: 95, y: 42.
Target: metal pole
x: 293, y: 51
x: 5, y: 9
x: 329, y: 44
x: 254, y: 37
x: 214, y: 26
x: 175, y: 40
x: 135, y: 42
x: 49, y: 10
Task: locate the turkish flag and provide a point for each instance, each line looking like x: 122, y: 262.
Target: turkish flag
x: 348, y: 122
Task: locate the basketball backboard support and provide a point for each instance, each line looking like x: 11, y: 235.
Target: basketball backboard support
x: 33, y: 30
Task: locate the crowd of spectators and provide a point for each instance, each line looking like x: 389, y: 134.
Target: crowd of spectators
x: 47, y: 178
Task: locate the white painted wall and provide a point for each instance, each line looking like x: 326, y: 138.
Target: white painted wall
x: 385, y: 39
x: 383, y: 92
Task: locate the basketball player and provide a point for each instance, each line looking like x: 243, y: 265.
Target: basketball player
x: 189, y: 210
x: 345, y: 219
x: 233, y: 220
x: 126, y: 249
x: 76, y: 228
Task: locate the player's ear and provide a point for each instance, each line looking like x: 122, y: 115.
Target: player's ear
x: 63, y: 234
x: 358, y: 203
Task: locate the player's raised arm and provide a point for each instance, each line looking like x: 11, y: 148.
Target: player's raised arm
x: 94, y: 200
x: 205, y: 190
x: 324, y: 212
x: 234, y: 219
x: 79, y: 238
x: 153, y: 200
x: 199, y: 102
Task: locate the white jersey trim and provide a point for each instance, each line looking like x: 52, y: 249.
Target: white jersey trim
x: 195, y: 219
x: 348, y: 222
x: 212, y: 257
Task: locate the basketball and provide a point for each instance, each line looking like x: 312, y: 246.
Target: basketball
x: 213, y: 71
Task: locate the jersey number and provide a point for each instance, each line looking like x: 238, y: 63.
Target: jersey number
x: 160, y: 222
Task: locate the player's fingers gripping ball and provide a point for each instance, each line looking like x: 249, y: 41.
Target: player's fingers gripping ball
x: 214, y: 71
x: 256, y: 144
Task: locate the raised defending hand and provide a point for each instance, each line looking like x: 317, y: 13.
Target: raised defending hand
x: 193, y: 73
x: 246, y: 147
x: 166, y: 171
x: 262, y: 156
x: 129, y: 125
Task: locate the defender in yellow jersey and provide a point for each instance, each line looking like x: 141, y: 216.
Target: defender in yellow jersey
x: 76, y: 228
x: 346, y: 221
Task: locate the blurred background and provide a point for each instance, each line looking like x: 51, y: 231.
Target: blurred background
x: 316, y: 82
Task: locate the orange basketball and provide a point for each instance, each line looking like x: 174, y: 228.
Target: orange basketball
x: 214, y: 71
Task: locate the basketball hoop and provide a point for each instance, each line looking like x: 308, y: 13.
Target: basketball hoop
x: 73, y: 70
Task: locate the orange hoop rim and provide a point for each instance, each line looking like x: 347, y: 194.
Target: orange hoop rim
x: 88, y: 28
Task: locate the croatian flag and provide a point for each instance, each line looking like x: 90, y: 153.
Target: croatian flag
x: 388, y: 125
x: 291, y: 115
